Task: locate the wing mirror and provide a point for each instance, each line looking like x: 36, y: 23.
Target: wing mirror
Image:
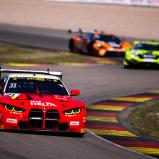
x: 75, y: 92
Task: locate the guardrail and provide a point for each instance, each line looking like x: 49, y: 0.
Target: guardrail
x: 149, y: 3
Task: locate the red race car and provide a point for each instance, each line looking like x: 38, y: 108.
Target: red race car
x: 97, y: 43
x: 38, y: 100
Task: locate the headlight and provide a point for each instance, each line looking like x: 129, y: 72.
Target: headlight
x: 72, y: 111
x: 13, y: 108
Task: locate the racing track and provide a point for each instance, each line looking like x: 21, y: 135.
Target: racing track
x: 96, y: 82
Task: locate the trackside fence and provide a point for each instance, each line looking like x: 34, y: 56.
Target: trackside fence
x: 150, y: 3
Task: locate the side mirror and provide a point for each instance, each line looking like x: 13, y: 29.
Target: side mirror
x: 75, y: 92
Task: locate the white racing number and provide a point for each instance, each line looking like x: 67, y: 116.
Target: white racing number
x: 13, y: 85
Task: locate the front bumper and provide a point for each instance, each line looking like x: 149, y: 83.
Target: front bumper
x: 136, y: 61
x: 36, y: 119
x: 108, y: 51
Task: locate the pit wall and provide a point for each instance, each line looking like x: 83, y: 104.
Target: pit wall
x: 149, y: 3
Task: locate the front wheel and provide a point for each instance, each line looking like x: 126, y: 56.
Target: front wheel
x: 72, y: 45
x: 127, y: 66
x: 81, y: 135
x: 90, y: 48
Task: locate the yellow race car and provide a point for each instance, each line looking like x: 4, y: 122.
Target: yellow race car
x: 143, y: 53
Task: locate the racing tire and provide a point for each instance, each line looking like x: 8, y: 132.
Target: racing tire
x: 127, y: 66
x: 74, y: 134
x: 71, y: 46
x: 81, y: 135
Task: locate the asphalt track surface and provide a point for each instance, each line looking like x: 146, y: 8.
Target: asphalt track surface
x: 96, y: 82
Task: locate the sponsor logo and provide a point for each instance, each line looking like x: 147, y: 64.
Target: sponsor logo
x: 148, y: 60
x: 10, y: 120
x: 40, y: 103
x: 74, y: 123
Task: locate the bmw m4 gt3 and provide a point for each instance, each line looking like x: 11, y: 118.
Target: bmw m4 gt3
x: 38, y: 100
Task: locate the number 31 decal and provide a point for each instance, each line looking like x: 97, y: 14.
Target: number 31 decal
x: 13, y: 85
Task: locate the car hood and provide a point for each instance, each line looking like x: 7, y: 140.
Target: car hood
x: 28, y: 101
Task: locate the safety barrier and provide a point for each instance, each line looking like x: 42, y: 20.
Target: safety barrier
x: 154, y: 3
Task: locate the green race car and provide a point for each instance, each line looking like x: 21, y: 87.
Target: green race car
x: 142, y: 53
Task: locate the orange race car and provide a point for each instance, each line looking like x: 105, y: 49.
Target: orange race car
x: 97, y: 43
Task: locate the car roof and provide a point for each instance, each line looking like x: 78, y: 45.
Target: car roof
x: 12, y: 75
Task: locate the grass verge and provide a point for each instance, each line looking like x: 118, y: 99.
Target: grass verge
x: 11, y: 53
x: 145, y: 119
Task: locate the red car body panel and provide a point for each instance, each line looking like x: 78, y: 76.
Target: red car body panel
x: 10, y: 119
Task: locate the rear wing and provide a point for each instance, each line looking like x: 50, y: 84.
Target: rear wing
x: 81, y: 31
x: 47, y: 72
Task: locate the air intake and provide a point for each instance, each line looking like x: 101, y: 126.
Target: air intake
x: 36, y: 118
x: 52, y: 119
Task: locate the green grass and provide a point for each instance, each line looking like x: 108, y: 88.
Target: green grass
x: 145, y: 119
x: 10, y: 53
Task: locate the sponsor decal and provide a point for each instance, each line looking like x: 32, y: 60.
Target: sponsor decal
x: 40, y: 103
x: 12, y: 95
x: 72, y: 115
x: 10, y: 120
x: 35, y: 79
x: 74, y: 123
x: 149, y: 60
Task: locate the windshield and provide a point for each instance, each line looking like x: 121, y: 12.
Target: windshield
x: 36, y: 85
x: 146, y: 47
x: 109, y: 38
